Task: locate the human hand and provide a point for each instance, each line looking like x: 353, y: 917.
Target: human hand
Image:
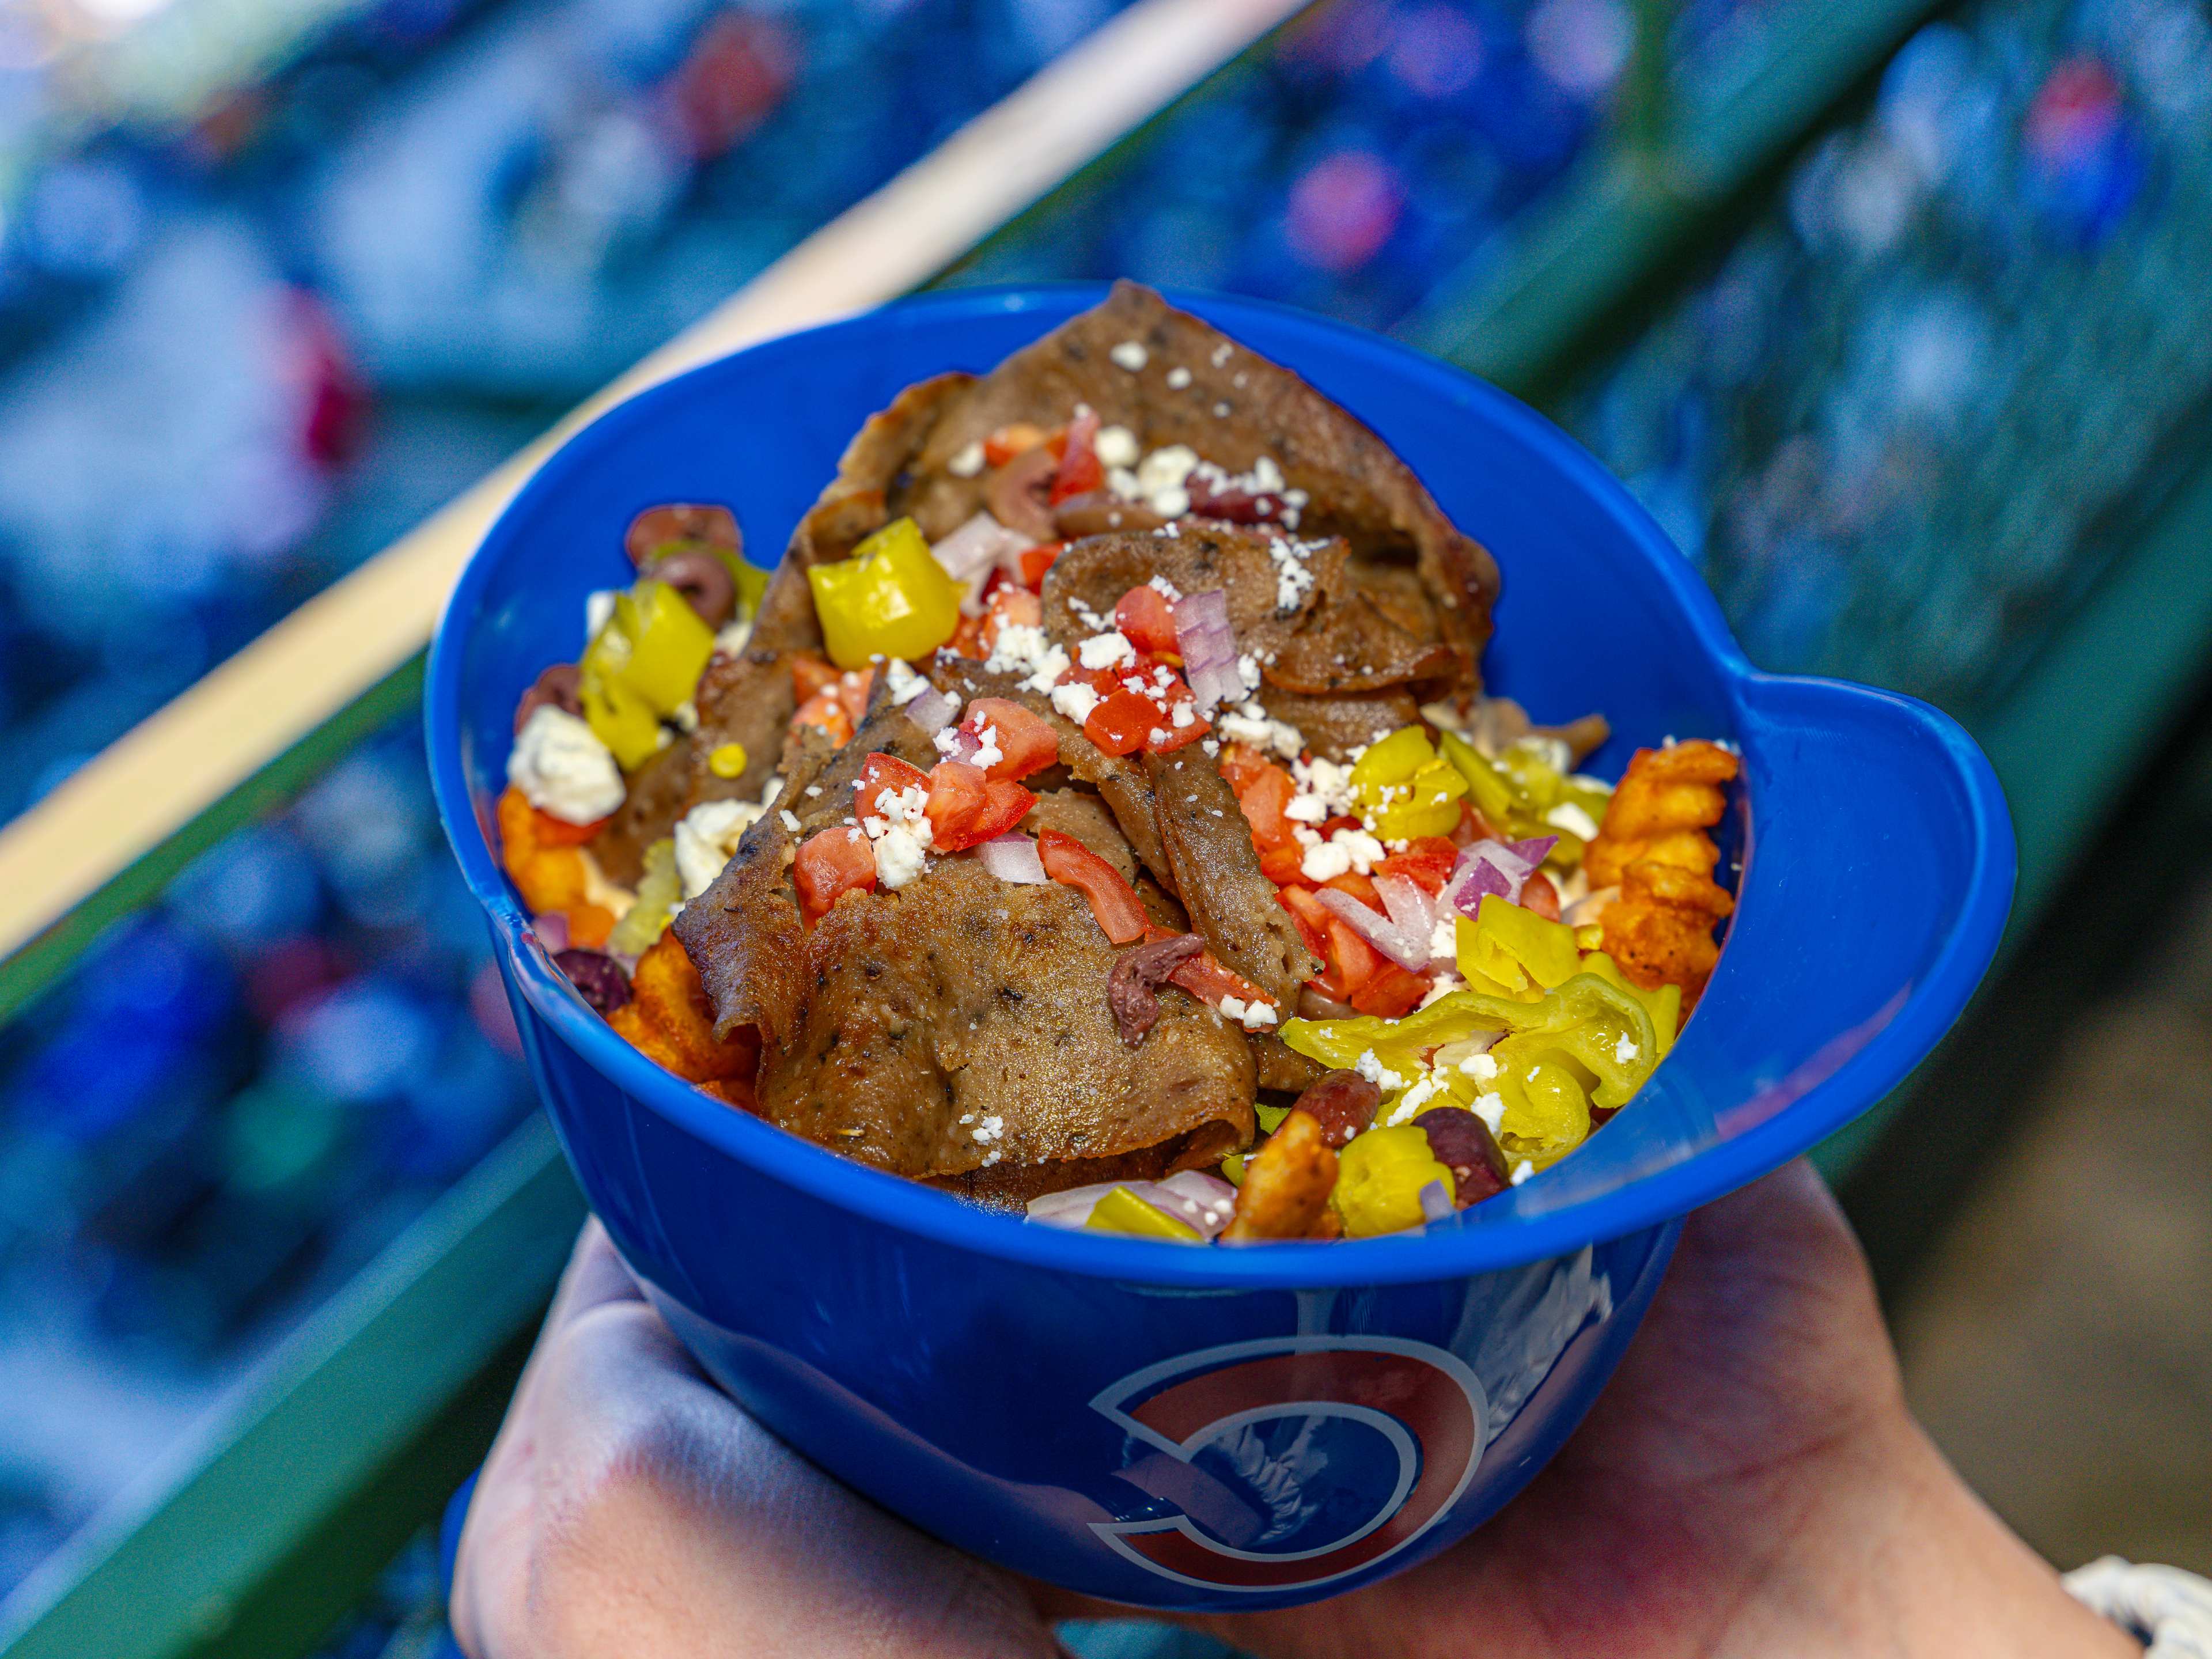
x: 628, y: 1508
x: 1750, y: 1483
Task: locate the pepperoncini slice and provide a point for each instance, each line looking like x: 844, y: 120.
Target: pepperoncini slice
x: 1509, y: 947
x: 657, y: 893
x: 1404, y: 789
x: 1379, y: 1177
x: 1664, y: 1004
x: 645, y: 663
x: 1122, y: 1212
x: 1547, y: 1113
x: 1602, y: 1034
x: 891, y: 599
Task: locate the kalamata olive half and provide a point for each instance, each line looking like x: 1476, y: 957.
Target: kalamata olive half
x: 1018, y: 492
x: 560, y: 686
x: 1342, y: 1102
x: 1097, y: 512
x: 597, y: 976
x: 682, y: 527
x: 701, y: 578
x: 1463, y: 1143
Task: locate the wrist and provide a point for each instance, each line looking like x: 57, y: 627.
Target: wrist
x: 1904, y: 1559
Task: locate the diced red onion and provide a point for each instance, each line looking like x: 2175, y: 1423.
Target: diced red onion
x: 1405, y: 946
x: 1495, y: 867
x: 1014, y: 857
x: 977, y: 546
x: 962, y: 745
x: 1208, y: 645
x: 1199, y: 1200
x: 932, y: 710
x: 552, y: 931
x: 1410, y: 908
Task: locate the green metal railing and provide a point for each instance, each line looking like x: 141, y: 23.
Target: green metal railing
x: 354, y: 1433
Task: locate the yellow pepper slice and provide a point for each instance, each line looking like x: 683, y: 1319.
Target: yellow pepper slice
x: 1547, y: 1113
x: 1379, y: 1177
x: 1122, y: 1212
x: 1508, y: 946
x: 891, y: 599
x: 1405, y: 788
x: 645, y: 663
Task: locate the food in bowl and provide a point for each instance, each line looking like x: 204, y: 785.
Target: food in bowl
x: 1099, y: 811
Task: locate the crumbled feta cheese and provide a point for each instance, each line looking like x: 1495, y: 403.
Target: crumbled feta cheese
x: 1254, y: 1015
x: 1325, y: 862
x: 1105, y: 650
x: 1253, y: 725
x: 1266, y: 476
x: 1221, y: 410
x: 904, y: 683
x: 987, y: 753
x: 1213, y: 748
x: 1490, y: 1107
x: 1483, y: 1068
x: 1572, y: 818
x: 1178, y: 378
x: 1443, y: 985
x: 599, y: 609
x: 1123, y: 483
x: 1325, y: 781
x: 1248, y: 670
x: 992, y: 1156
x: 1075, y: 700
x: 900, y: 852
x: 992, y: 1127
x: 563, y: 768
x: 1115, y: 446
x: 1168, y: 468
x: 967, y: 461
x: 1171, y: 503
x: 1166, y: 589
x: 1377, y: 1072
x: 706, y: 838
x: 1294, y: 577
x: 790, y: 820
x: 1308, y: 809
x: 1443, y: 938
x: 1130, y: 356
x: 733, y: 638
x: 1626, y: 1050
x: 1023, y: 648
x: 812, y: 790
x: 1181, y: 714
x: 1221, y: 354
x: 1522, y: 1171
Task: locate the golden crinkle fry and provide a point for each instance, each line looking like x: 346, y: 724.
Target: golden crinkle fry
x: 1653, y: 845
x: 1286, y: 1186
x: 547, y: 866
x: 668, y: 1020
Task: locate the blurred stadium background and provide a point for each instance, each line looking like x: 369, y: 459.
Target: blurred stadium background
x: 277, y: 277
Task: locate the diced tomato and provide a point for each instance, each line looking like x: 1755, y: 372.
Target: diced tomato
x: 1027, y: 742
x: 1009, y: 606
x: 1113, y: 901
x: 1035, y: 561
x: 1541, y: 897
x: 1240, y: 763
x: 1349, y: 962
x: 966, y: 807
x: 1209, y: 982
x: 1284, y: 864
x: 1079, y: 471
x: 559, y: 832
x: 1426, y: 862
x: 1173, y: 737
x: 1394, y: 992
x: 1121, y: 722
x: 1009, y: 441
x: 881, y: 772
x: 824, y: 709
x: 1341, y: 821
x: 1472, y: 827
x: 835, y: 861
x: 810, y: 674
x: 1311, y: 916
x: 1360, y: 887
x: 1144, y: 620
x: 967, y: 639
x: 1265, y: 792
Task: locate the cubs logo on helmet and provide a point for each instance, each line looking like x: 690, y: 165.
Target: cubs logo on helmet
x: 1293, y: 1461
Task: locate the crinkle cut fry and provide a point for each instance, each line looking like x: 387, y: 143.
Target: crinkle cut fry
x: 1653, y: 845
x: 1287, y: 1183
x: 668, y: 1020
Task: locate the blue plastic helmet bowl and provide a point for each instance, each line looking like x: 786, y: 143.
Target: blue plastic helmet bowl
x: 1234, y: 1429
